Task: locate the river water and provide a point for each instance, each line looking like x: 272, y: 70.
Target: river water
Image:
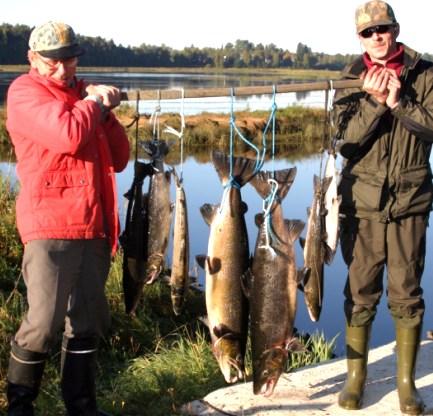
x: 129, y: 81
x: 202, y: 186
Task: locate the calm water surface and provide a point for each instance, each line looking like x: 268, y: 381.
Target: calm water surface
x: 133, y: 81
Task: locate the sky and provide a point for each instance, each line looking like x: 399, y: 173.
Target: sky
x: 323, y: 25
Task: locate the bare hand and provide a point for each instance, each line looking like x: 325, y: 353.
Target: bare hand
x: 394, y: 87
x: 110, y: 95
x: 376, y: 83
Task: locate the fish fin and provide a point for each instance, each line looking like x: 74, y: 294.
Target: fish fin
x: 259, y: 219
x: 201, y: 260
x: 243, y: 169
x: 209, y: 212
x: 305, y: 273
x: 329, y: 254
x: 204, y: 320
x: 294, y: 345
x: 326, y: 181
x: 261, y: 185
x: 244, y: 207
x: 302, y: 242
x: 285, y: 179
x: 300, y: 275
x: 294, y: 229
x: 316, y: 183
x: 214, y: 265
x: 300, y: 287
x: 246, y: 282
x: 221, y: 330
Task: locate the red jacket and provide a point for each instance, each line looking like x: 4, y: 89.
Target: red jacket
x: 66, y: 160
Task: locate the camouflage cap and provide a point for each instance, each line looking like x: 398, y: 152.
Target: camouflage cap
x: 374, y: 13
x: 55, y: 40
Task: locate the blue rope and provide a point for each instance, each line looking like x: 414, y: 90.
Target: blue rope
x: 235, y: 129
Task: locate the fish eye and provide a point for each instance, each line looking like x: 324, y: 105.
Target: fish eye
x: 265, y: 373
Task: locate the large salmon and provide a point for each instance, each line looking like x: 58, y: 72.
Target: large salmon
x: 227, y: 260
x: 159, y: 213
x: 316, y: 251
x: 272, y: 284
x: 179, y: 279
x: 134, y: 238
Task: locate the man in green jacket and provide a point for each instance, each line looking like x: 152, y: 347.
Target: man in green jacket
x: 385, y: 132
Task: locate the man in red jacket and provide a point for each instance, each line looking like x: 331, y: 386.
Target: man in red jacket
x: 68, y: 146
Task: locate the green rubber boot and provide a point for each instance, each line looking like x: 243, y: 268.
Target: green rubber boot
x: 407, y: 340
x: 357, y: 338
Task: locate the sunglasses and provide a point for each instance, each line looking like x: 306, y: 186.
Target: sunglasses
x: 55, y: 63
x: 380, y: 29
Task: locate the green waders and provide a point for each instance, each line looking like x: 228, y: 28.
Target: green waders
x: 357, y: 339
x: 407, y: 343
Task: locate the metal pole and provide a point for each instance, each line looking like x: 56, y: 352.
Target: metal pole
x: 240, y: 91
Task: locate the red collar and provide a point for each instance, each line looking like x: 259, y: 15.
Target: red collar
x: 395, y: 61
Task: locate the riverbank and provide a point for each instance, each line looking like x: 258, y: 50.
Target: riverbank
x: 313, y: 391
x: 298, y: 130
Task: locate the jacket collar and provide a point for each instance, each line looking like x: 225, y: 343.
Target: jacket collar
x: 356, y: 68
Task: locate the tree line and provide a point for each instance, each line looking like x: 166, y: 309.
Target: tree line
x: 241, y: 54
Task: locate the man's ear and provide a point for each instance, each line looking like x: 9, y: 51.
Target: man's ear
x: 31, y: 57
x: 396, y: 30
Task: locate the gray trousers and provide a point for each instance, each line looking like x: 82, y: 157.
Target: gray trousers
x: 65, y: 282
x: 367, y: 247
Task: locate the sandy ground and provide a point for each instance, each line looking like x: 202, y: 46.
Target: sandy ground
x: 314, y: 390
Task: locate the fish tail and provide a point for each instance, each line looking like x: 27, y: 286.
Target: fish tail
x: 242, y: 169
x: 284, y: 179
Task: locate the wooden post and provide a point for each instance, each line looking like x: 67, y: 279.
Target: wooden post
x: 240, y: 91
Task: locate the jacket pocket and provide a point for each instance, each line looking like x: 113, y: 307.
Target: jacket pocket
x: 360, y: 193
x: 64, y: 179
x: 414, y: 191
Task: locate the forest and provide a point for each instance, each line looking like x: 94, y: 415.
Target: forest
x: 240, y: 54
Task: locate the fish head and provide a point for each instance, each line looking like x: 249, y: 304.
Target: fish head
x: 155, y: 264
x: 227, y: 351
x: 267, y: 370
x: 313, y: 307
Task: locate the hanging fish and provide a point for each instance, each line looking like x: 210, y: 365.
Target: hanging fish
x: 134, y: 238
x: 227, y: 260
x: 179, y: 279
x: 332, y: 203
x: 159, y: 211
x: 272, y: 284
x: 316, y: 251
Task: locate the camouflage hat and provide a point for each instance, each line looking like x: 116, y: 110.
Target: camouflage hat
x: 374, y: 13
x: 55, y: 40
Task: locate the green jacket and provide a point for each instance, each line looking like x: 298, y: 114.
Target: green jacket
x: 387, y: 173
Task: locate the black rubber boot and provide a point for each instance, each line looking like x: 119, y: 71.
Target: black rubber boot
x: 357, y: 339
x: 78, y: 367
x: 407, y: 342
x: 24, y: 379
